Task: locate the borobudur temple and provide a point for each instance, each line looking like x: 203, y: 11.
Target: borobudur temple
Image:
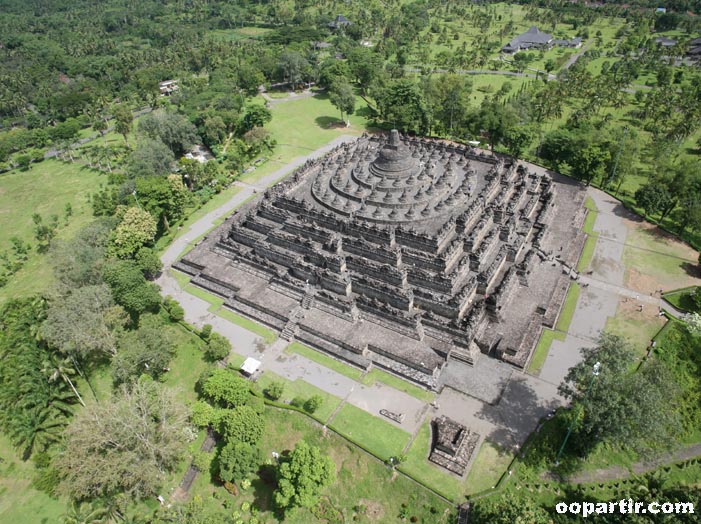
x: 408, y: 254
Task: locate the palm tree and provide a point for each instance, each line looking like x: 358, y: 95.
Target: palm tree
x: 54, y: 368
x: 83, y: 513
x: 36, y: 429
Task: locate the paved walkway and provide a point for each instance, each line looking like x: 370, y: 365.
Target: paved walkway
x: 599, y: 300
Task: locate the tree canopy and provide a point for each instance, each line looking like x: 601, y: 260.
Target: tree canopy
x: 302, y: 476
x: 124, y: 446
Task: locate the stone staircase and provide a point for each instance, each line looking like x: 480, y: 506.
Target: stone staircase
x: 308, y: 298
x: 290, y: 329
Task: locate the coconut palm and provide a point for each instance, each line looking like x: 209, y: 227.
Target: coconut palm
x: 83, y: 513
x: 55, y: 368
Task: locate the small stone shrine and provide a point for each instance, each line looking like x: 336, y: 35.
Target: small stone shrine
x: 452, y: 445
x: 401, y: 253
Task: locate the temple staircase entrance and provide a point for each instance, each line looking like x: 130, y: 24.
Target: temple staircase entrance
x: 308, y: 298
x: 290, y: 329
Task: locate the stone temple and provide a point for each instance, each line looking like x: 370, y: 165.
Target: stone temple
x: 409, y: 254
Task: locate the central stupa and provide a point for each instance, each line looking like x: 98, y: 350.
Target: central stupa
x: 394, y: 184
x: 392, y: 252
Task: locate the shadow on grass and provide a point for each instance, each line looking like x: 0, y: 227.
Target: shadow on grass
x: 263, y: 487
x: 329, y: 122
x: 693, y: 270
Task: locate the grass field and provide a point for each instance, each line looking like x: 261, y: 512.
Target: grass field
x: 320, y: 122
x: 303, y: 390
x: 45, y: 188
x: 20, y: 503
x: 363, y: 483
x: 374, y: 434
x: 637, y: 327
x: 656, y: 260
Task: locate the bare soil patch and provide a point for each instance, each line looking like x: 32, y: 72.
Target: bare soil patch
x: 373, y: 509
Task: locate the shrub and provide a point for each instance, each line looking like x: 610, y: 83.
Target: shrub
x: 206, y: 332
x: 313, y: 403
x: 274, y: 390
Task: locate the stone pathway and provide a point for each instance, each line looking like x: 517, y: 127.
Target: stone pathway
x: 599, y: 300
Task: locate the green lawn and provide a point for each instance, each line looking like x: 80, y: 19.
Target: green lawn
x: 301, y: 389
x: 324, y: 360
x: 592, y: 236
x: 587, y: 253
x: 563, y: 322
x: 491, y: 463
x: 320, y: 122
x: 380, y: 437
x: 638, y: 328
x: 663, y: 261
x: 20, y: 503
x: 45, y: 188
x: 378, y: 375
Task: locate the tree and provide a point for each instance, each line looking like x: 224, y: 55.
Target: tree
x: 136, y: 229
x: 151, y: 157
x: 255, y: 116
x: 653, y: 198
x: 293, y: 68
x: 123, y: 121
x: 241, y: 424
x: 55, y: 368
x: 218, y: 347
x: 44, y: 232
x: 83, y: 513
x: 82, y: 323
x: 170, y: 128
x: 146, y: 351
x: 402, y: 105
x: 130, y: 289
x: 163, y: 198
x: 342, y: 97
x: 301, y: 476
x: 148, y: 262
x: 237, y: 461
x: 226, y: 388
x: 617, y: 405
x: 33, y: 409
x: 78, y: 262
x: 128, y: 445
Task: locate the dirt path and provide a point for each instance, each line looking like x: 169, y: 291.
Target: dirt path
x: 638, y: 468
